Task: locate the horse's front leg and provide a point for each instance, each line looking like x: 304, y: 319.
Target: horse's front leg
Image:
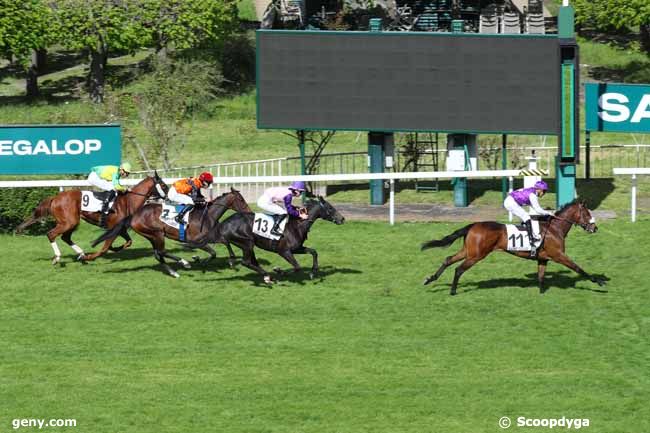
x: 127, y: 242
x: 208, y: 249
x: 314, y: 255
x: 541, y: 270
x: 566, y: 261
x: 288, y: 256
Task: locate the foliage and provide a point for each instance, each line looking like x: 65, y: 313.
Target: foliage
x: 238, y: 61
x: 167, y: 98
x: 99, y: 27
x: 17, y: 204
x: 608, y: 15
x: 25, y: 26
x: 184, y: 24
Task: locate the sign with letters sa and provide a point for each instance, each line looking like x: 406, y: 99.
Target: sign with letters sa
x: 617, y: 107
x: 58, y: 149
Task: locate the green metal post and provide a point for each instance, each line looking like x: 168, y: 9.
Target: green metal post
x: 303, y: 163
x: 569, y: 139
x: 376, y: 147
x: 504, y: 166
x: 376, y: 165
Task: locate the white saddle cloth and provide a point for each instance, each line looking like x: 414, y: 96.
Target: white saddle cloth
x: 263, y: 223
x: 518, y: 239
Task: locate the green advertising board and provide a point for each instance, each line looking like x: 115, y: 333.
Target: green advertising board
x: 58, y: 149
x: 617, y: 107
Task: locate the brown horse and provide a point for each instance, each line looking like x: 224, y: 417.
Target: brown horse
x: 65, y: 208
x: 484, y: 237
x: 202, y: 220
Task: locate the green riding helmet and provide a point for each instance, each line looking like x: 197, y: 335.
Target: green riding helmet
x: 126, y: 166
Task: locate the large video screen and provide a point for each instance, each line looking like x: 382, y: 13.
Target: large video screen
x: 398, y: 81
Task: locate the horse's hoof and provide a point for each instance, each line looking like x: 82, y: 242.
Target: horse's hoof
x: 174, y: 274
x: 81, y: 257
x: 312, y: 275
x: 427, y: 281
x: 55, y: 260
x: 452, y: 293
x: 268, y: 280
x: 196, y: 258
x: 600, y: 282
x: 186, y: 264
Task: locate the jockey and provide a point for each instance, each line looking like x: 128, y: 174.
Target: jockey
x: 107, y: 178
x: 273, y: 198
x: 188, y: 192
x: 527, y: 196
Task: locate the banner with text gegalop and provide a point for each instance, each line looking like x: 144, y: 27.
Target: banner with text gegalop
x: 58, y: 149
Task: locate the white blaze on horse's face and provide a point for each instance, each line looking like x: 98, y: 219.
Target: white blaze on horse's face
x: 160, y: 191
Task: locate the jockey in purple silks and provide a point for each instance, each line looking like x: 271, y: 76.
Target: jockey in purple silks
x: 273, y: 198
x: 527, y: 196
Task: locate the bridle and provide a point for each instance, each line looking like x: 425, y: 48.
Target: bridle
x: 584, y: 226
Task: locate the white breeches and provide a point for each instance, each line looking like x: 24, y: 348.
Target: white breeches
x: 511, y: 205
x: 176, y: 197
x: 100, y: 183
x: 265, y: 204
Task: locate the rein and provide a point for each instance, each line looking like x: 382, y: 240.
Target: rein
x: 581, y: 225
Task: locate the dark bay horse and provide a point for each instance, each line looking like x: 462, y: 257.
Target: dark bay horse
x: 480, y: 239
x: 238, y: 229
x: 202, y: 222
x: 65, y: 208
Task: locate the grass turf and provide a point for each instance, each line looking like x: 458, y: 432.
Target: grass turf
x: 119, y: 346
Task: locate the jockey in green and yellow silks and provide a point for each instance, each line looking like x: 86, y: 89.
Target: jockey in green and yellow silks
x: 107, y: 178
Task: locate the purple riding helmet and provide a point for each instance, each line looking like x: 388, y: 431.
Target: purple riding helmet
x: 540, y: 184
x: 298, y: 185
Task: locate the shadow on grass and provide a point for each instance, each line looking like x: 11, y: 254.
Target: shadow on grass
x: 301, y: 278
x: 564, y: 280
x: 632, y: 72
x: 65, y: 89
x: 595, y: 191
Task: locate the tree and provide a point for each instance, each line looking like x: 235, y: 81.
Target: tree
x: 100, y: 26
x: 183, y: 24
x: 26, y: 30
x: 166, y: 98
x: 615, y: 14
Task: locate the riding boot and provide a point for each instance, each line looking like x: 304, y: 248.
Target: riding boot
x: 181, y: 214
x: 105, y: 208
x: 531, y: 238
x: 276, y: 225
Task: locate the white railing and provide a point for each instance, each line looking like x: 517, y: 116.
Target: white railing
x: 632, y: 172
x: 235, y: 180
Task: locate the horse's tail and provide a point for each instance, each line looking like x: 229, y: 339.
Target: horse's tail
x: 115, y: 231
x: 447, y: 240
x: 40, y: 212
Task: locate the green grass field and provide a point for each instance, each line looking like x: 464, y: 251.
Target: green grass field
x: 120, y: 347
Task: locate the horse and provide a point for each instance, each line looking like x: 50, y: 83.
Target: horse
x: 238, y: 229
x: 481, y: 238
x: 65, y: 208
x: 202, y: 221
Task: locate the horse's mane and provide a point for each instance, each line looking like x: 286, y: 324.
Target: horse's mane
x: 567, y: 205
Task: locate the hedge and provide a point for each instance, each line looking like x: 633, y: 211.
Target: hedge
x: 17, y: 204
